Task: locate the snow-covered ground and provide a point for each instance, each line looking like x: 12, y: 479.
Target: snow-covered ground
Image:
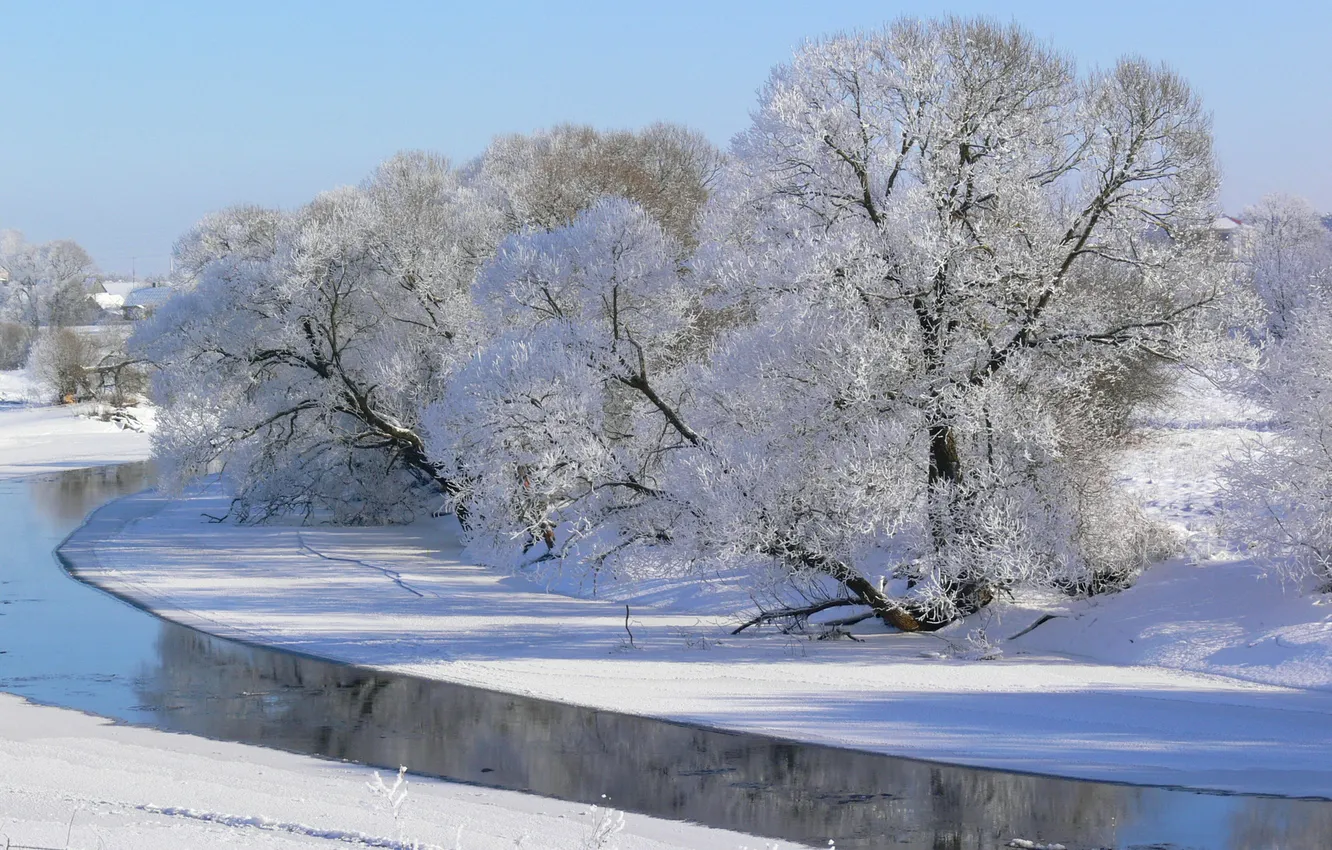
x: 37, y: 438
x: 1208, y: 674
x: 68, y: 780
x: 72, y: 781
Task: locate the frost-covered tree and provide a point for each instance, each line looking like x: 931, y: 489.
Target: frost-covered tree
x: 1279, y: 494
x: 308, y: 344
x: 1287, y: 252
x: 953, y: 248
x: 546, y: 179
x: 571, y: 414
x: 47, y: 282
x: 943, y: 260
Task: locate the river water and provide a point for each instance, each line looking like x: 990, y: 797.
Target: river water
x: 65, y: 643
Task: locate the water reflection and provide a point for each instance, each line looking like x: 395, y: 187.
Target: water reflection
x: 63, y: 500
x: 54, y: 631
x: 207, y: 686
x: 170, y: 677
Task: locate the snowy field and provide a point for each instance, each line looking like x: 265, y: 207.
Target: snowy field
x: 1208, y: 674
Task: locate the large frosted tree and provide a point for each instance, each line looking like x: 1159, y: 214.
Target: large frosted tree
x: 1286, y: 253
x: 939, y: 270
x: 968, y: 252
x: 47, y: 283
x: 1279, y: 493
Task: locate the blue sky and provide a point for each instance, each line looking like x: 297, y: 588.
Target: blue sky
x: 121, y: 123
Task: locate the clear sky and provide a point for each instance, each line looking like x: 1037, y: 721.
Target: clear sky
x: 121, y: 123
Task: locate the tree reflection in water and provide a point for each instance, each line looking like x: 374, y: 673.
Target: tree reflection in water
x: 67, y: 497
x: 190, y: 682
x: 217, y: 688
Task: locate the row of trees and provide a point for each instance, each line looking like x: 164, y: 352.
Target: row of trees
x: 889, y: 345
x: 45, y: 306
x: 1280, y: 494
x: 47, y: 283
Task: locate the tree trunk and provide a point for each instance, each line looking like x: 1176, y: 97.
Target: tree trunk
x: 945, y: 474
x: 890, y: 612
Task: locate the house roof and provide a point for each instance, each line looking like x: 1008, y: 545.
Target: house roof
x: 108, y: 301
x: 121, y: 287
x: 149, y: 296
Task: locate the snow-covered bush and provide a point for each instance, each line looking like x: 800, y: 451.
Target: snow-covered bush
x: 308, y: 343
x: 1287, y: 254
x: 15, y: 344
x: 1279, y: 494
x: 61, y: 360
x: 89, y: 364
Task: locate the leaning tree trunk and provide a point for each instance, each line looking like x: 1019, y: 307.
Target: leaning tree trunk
x: 890, y: 612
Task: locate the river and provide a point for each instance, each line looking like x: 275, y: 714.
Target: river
x: 68, y: 644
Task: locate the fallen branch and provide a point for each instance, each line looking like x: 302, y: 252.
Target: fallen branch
x: 849, y: 621
x: 835, y: 633
x: 796, y: 613
x: 626, y: 626
x: 1042, y: 620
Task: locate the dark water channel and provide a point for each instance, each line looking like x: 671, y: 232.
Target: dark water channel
x: 64, y: 643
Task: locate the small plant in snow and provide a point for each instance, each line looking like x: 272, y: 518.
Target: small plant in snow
x: 979, y: 648
x: 606, y: 824
x: 392, y: 797
x: 697, y: 639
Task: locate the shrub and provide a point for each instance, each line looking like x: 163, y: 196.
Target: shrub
x: 60, y: 360
x: 15, y: 344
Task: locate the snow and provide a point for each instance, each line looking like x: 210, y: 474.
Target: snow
x: 37, y: 438
x: 1208, y: 674
x: 68, y: 780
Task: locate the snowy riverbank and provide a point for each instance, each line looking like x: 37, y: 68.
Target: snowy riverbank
x: 1208, y: 674
x: 68, y: 780
x: 38, y: 438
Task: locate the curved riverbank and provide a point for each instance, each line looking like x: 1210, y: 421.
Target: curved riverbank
x: 405, y: 600
x: 75, y: 779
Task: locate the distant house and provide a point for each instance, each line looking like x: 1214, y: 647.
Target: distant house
x: 129, y: 299
x: 143, y: 302
x: 110, y: 294
x: 118, y: 288
x: 4, y: 275
x: 1225, y: 227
